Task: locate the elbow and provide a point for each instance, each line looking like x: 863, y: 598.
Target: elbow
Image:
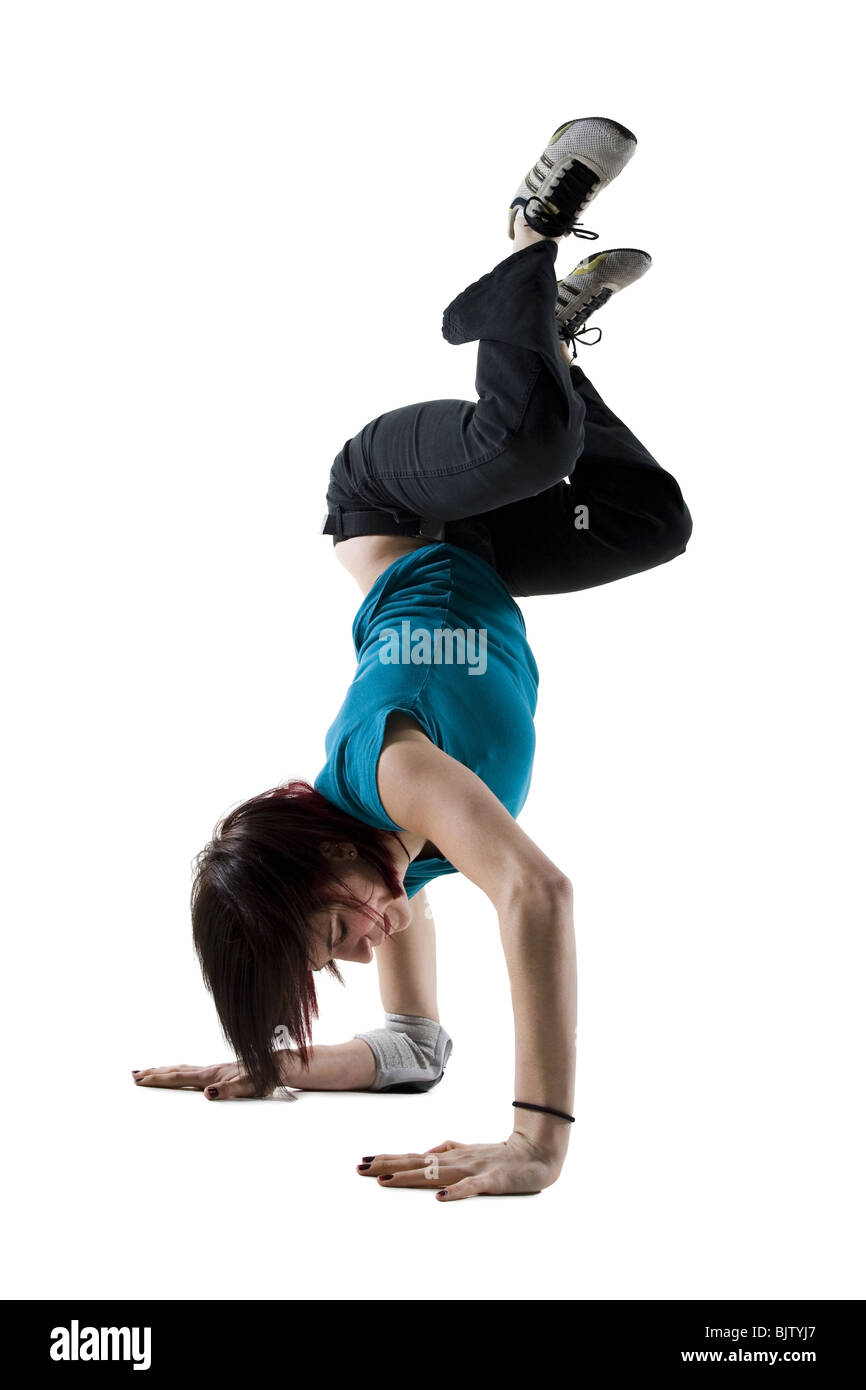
x: 551, y: 890
x: 561, y: 890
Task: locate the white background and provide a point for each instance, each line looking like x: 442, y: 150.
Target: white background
x: 230, y: 232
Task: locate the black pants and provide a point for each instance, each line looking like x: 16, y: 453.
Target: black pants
x: 538, y: 476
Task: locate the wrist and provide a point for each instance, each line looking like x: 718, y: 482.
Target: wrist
x: 546, y: 1133
x: 290, y: 1067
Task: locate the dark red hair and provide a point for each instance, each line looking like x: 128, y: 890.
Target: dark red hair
x: 255, y: 886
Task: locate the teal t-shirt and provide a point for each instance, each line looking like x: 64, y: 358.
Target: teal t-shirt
x: 440, y: 637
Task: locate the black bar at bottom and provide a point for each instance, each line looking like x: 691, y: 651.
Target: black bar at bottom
x: 167, y: 1337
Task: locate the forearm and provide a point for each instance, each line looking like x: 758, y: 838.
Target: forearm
x: 348, y: 1066
x: 407, y: 965
x: 537, y: 932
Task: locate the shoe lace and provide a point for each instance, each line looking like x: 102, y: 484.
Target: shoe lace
x: 549, y: 213
x: 573, y: 189
x: 576, y: 329
x: 578, y: 335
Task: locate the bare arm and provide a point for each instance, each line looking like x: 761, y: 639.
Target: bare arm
x: 431, y: 794
x: 344, y: 1067
x: 347, y: 1066
x: 406, y: 964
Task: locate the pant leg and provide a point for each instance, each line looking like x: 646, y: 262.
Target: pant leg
x: 452, y: 459
x: 635, y: 514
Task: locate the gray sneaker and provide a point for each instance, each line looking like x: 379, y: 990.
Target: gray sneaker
x: 582, y: 157
x: 591, y: 284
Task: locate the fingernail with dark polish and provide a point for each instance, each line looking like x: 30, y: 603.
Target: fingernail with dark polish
x: 212, y: 1091
x: 386, y: 1177
x: 362, y: 1167
x: 368, y: 1158
x: 136, y: 1071
x: 443, y: 1192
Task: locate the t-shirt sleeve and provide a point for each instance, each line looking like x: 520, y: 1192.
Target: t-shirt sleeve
x: 351, y: 781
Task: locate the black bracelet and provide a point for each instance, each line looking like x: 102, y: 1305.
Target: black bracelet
x: 546, y: 1109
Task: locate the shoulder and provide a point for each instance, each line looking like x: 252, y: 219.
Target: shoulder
x: 426, y: 791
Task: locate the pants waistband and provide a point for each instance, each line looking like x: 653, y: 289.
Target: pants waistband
x: 344, y: 523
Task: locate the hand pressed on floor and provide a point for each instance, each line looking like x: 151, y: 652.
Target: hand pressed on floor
x: 223, y: 1081
x: 516, y: 1166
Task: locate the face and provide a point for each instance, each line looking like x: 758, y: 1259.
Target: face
x: 344, y: 932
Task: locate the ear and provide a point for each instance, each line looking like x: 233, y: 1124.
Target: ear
x: 343, y: 849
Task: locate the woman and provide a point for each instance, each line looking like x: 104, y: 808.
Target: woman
x: 444, y: 512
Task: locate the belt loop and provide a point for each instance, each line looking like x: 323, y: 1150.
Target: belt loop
x: 431, y: 528
x: 338, y: 523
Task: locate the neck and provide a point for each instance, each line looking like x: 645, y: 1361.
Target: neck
x: 412, y: 846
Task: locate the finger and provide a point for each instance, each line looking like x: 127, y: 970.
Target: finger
x: 413, y: 1177
x: 179, y: 1068
x: 237, y: 1087
x: 173, y: 1076
x: 455, y: 1192
x: 393, y: 1163
x: 390, y: 1163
